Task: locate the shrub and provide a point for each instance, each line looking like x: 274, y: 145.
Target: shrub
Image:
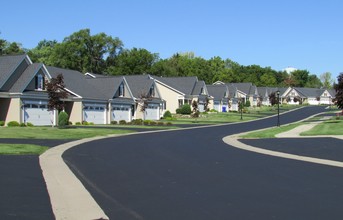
x: 13, y: 124
x: 169, y: 123
x: 114, y: 122
x: 122, y: 122
x: 63, y: 119
x: 29, y: 124
x: 160, y: 123
x: 22, y: 124
x: 247, y: 103
x: 178, y: 111
x: 146, y: 122
x: 2, y: 123
x: 70, y: 123
x: 186, y: 109
x: 85, y: 123
x: 90, y: 123
x: 167, y: 114
x: 137, y: 121
x: 153, y: 123
x: 78, y: 123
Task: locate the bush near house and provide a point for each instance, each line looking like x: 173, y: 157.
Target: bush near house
x: 137, y: 121
x: 2, y: 123
x: 63, y: 119
x: 167, y: 114
x: 13, y: 124
x: 29, y: 124
x: 122, y: 122
x: 184, y: 110
x: 114, y: 122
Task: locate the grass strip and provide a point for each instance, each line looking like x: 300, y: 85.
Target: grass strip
x: 21, y: 149
x: 330, y: 127
x: 271, y: 132
x: 55, y: 133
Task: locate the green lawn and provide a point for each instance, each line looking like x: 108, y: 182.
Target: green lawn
x: 270, y: 133
x: 21, y: 149
x: 330, y: 127
x: 227, y: 117
x: 55, y: 133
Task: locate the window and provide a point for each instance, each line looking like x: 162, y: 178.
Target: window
x: 180, y: 102
x: 121, y: 90
x: 152, y: 91
x: 40, y: 82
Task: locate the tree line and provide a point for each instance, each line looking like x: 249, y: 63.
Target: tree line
x: 104, y: 54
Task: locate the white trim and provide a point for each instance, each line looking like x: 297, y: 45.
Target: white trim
x: 91, y: 75
x: 73, y: 93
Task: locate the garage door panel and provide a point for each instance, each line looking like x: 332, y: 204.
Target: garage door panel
x: 94, y: 114
x: 152, y: 112
x: 121, y: 112
x: 38, y: 114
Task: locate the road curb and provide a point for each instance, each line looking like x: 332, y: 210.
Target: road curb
x: 69, y: 198
x: 233, y: 141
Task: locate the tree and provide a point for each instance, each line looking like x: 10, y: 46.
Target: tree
x: 300, y: 77
x: 339, y: 91
x: 134, y: 61
x: 87, y: 53
x: 273, y: 99
x: 56, y: 93
x: 313, y: 82
x: 43, y: 52
x: 195, y: 109
x: 326, y: 80
x: 2, y: 45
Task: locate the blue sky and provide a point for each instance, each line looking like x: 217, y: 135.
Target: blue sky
x: 300, y: 33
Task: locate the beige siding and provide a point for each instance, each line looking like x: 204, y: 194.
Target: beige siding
x: 75, y: 110
x: 171, y: 97
x: 14, y: 112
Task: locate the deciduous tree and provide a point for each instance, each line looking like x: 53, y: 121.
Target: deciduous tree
x: 56, y: 93
x: 339, y: 91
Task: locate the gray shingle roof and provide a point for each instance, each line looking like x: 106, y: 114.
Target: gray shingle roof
x: 77, y: 83
x: 243, y: 87
x: 7, y: 66
x: 26, y: 77
x: 139, y: 84
x: 183, y: 84
x: 106, y: 85
x: 218, y: 92
x: 197, y: 88
x: 309, y: 92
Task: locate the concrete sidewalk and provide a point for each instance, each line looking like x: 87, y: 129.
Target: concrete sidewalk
x: 294, y: 133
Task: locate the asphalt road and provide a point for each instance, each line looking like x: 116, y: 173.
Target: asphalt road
x: 193, y: 174
x: 23, y: 193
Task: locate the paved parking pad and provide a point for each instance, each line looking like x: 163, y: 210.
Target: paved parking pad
x: 322, y: 148
x: 23, y: 190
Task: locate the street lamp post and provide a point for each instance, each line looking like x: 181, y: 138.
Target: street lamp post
x: 241, y: 107
x: 278, y: 108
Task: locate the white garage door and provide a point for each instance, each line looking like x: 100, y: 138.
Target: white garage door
x: 38, y: 114
x: 121, y: 112
x: 94, y: 114
x: 216, y: 106
x: 152, y: 112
